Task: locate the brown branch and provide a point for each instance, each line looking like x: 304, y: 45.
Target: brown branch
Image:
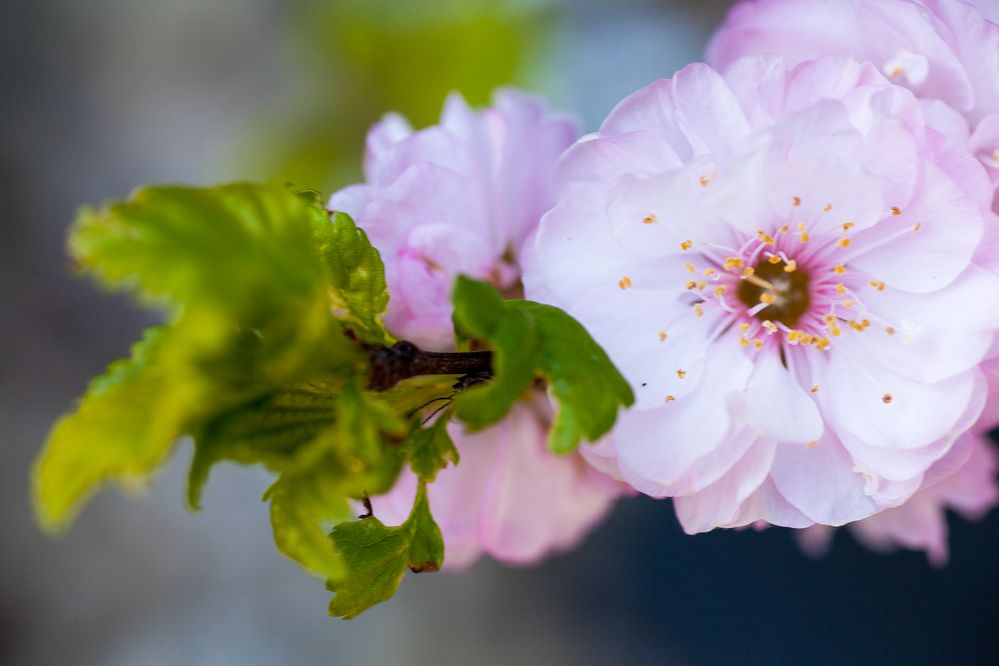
x: 390, y: 365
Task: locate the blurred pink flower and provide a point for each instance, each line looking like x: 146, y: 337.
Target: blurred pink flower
x: 456, y: 198
x: 461, y: 197
x: 784, y: 264
x: 945, y: 51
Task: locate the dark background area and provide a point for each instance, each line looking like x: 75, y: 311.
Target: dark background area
x: 98, y: 96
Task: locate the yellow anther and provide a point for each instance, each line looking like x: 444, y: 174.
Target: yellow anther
x: 721, y: 290
x: 814, y: 389
x: 917, y: 226
x: 829, y: 318
x: 804, y: 238
x: 733, y: 263
x: 692, y: 284
x: 791, y: 266
x: 698, y: 310
x: 624, y: 282
x: 844, y: 242
x: 812, y: 444
x: 681, y: 373
x: 686, y: 245
x: 847, y: 226
x: 743, y: 327
x: 748, y: 272
x: 774, y: 259
x: 704, y: 180
x: 783, y: 230
x: 896, y: 211
x: 806, y: 338
x: 877, y: 284
x: 802, y: 227
x: 768, y: 298
x: 691, y: 268
x: 764, y: 237
x: 744, y: 341
x: 702, y: 285
x: 670, y: 398
x: 793, y: 336
x: 890, y: 330
x: 847, y: 303
x: 649, y: 219
x: 795, y: 201
x: 839, y: 269
x: 840, y: 288
x: 827, y: 207
x: 758, y: 344
x: 709, y: 271
x: 662, y: 336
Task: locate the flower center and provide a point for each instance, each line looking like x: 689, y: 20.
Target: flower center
x: 782, y: 286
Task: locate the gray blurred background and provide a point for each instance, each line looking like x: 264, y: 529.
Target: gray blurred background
x: 98, y: 96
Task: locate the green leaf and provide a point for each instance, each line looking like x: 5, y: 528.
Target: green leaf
x: 531, y: 340
x: 248, y: 292
x: 122, y: 430
x: 376, y: 557
x: 301, y: 505
x: 431, y: 449
x: 329, y: 440
x: 357, y: 276
x: 267, y: 430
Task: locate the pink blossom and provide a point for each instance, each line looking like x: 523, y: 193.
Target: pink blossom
x: 461, y: 197
x: 964, y: 482
x: 945, y: 51
x: 455, y: 198
x: 510, y: 496
x: 784, y: 264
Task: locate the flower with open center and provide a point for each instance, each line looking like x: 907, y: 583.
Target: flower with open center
x: 783, y: 264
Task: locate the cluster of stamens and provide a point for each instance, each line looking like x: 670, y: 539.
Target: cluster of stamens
x: 781, y: 285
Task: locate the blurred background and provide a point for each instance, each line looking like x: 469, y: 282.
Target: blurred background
x: 98, y: 96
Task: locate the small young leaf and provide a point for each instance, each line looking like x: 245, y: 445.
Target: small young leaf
x: 357, y: 275
x: 376, y: 557
x: 243, y: 245
x: 268, y: 430
x: 122, y: 430
x: 431, y: 449
x: 249, y: 297
x: 531, y: 340
x: 301, y: 504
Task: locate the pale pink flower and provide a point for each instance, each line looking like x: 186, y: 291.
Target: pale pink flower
x: 963, y: 482
x: 783, y: 264
x: 945, y: 51
x: 456, y: 198
x: 509, y: 497
x: 461, y: 197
